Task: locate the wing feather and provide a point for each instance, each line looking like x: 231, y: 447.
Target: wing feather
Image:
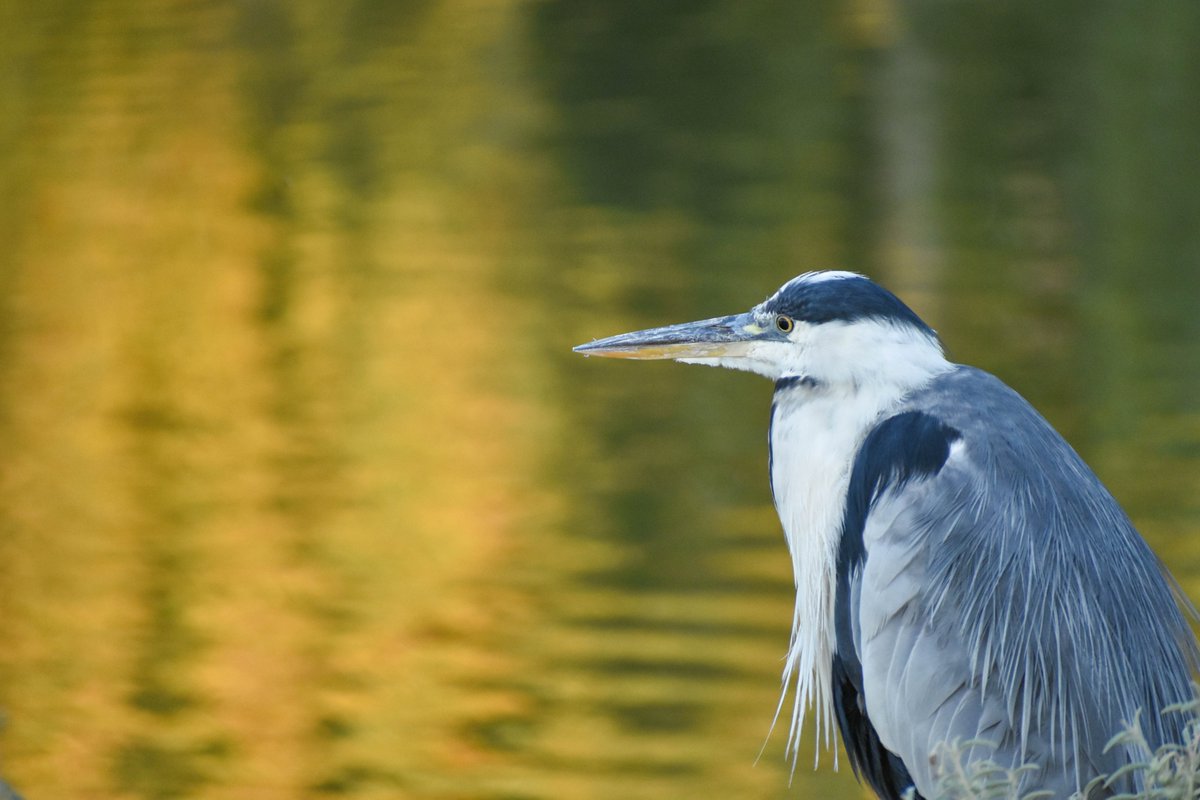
x: 993, y: 589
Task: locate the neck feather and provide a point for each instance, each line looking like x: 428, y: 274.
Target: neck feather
x: 817, y: 427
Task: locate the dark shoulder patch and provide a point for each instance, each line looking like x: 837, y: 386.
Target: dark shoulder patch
x: 906, y: 447
x: 902, y: 448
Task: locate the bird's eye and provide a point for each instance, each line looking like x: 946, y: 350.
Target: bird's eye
x: 784, y: 324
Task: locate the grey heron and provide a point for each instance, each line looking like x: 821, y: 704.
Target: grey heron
x: 961, y: 574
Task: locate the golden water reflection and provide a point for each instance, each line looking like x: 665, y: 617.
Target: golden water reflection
x: 304, y: 493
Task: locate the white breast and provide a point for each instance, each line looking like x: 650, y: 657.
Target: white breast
x: 815, y: 433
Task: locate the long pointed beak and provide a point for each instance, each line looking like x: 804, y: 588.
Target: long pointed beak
x: 708, y: 338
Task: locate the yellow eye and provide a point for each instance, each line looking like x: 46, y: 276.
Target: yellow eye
x: 784, y: 324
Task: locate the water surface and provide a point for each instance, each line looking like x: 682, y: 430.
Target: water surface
x: 303, y: 492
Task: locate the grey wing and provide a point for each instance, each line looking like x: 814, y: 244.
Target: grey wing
x: 926, y: 680
x: 1000, y: 594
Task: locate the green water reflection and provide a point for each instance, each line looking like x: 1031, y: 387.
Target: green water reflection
x: 304, y: 493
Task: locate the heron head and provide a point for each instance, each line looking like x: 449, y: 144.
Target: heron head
x: 832, y: 327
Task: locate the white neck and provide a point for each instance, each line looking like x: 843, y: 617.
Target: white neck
x: 817, y: 428
x: 853, y: 373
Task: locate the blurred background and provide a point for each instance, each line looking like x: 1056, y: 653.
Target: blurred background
x: 302, y: 491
